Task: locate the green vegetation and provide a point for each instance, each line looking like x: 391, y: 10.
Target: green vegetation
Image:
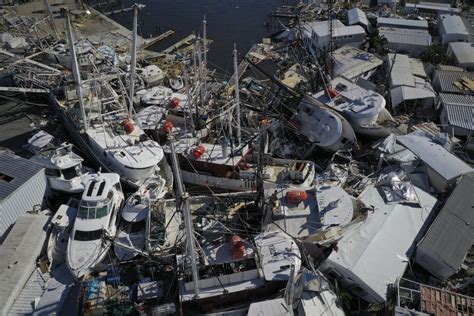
x: 435, y: 54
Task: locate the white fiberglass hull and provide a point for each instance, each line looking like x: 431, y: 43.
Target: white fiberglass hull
x: 82, y: 256
x: 72, y: 186
x: 241, y: 185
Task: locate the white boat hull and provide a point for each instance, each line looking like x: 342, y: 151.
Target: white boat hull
x: 241, y: 185
x: 72, y: 186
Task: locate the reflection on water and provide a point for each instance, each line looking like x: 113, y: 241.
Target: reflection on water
x: 229, y: 21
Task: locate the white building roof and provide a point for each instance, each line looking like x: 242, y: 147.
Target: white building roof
x: 401, y: 23
x: 408, y: 79
x: 351, y: 62
x: 18, y: 255
x: 435, y: 156
x: 321, y: 29
x: 406, y: 36
x: 376, y: 249
x: 440, y: 7
x: 355, y: 16
x: 452, y: 24
x: 463, y: 52
x: 459, y: 109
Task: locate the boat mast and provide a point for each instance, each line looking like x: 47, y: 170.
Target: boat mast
x: 75, y: 67
x: 133, y: 54
x: 237, y: 94
x: 204, y: 44
x: 183, y: 199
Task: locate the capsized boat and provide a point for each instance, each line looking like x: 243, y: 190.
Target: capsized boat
x: 322, y: 125
x: 364, y: 109
x: 96, y: 221
x: 63, y: 168
x: 132, y: 228
x: 216, y: 165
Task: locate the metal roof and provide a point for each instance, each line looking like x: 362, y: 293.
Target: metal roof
x: 408, y: 79
x: 463, y: 52
x: 393, y: 22
x: 446, y: 79
x: 20, y: 169
x: 351, y: 62
x: 18, y: 255
x: 435, y: 156
x: 406, y: 36
x: 451, y: 235
x: 459, y: 109
x: 321, y: 28
x: 440, y: 7
x: 452, y: 24
x: 356, y: 15
x: 374, y: 250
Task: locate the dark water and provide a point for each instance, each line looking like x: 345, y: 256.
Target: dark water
x: 228, y: 21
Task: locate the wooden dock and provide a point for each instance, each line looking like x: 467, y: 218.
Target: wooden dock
x: 122, y: 10
x: 184, y: 42
x: 152, y: 41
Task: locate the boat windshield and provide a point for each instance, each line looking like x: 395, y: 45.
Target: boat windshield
x: 88, y: 236
x: 93, y: 210
x: 70, y: 173
x: 134, y: 227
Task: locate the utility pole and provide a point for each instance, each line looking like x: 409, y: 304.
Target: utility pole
x: 133, y: 61
x: 75, y: 68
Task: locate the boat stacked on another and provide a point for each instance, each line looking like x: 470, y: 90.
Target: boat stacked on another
x: 63, y: 168
x: 132, y: 230
x: 364, y: 109
x: 95, y: 223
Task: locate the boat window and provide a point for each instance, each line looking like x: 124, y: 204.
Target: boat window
x: 134, y: 227
x: 70, y: 173
x: 87, y: 236
x: 91, y: 188
x: 94, y: 210
x: 101, y: 188
x: 52, y: 172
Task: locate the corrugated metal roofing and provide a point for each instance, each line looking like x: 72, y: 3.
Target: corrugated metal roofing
x: 459, y: 109
x: 33, y: 289
x: 19, y: 169
x: 447, y: 78
x: 18, y: 255
x: 406, y: 36
x: 435, y: 156
x: 392, y: 22
x: 451, y: 235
